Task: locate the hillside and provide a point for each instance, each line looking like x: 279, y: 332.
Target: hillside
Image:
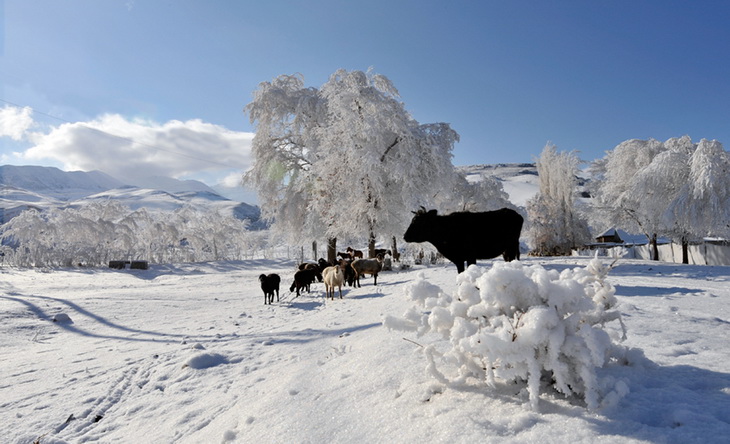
x: 57, y: 184
x: 519, y: 180
x: 24, y: 187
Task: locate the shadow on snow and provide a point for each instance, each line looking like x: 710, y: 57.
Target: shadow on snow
x: 38, y: 311
x: 665, y: 404
x: 635, y: 290
x: 309, y: 334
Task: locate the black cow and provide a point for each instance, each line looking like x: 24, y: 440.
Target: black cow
x: 468, y: 236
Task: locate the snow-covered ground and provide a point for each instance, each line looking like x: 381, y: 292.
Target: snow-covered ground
x: 191, y: 354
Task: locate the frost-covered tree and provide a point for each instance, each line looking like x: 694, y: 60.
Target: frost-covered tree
x: 702, y: 205
x: 613, y: 187
x: 96, y: 233
x: 676, y: 188
x: 285, y: 148
x: 556, y: 226
x: 483, y: 194
x: 345, y: 160
x: 659, y: 184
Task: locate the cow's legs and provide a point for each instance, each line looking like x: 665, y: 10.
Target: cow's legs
x: 459, y: 266
x: 512, y: 252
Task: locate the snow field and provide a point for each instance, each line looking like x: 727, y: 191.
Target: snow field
x: 191, y: 354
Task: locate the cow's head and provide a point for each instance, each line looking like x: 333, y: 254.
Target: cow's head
x: 421, y: 226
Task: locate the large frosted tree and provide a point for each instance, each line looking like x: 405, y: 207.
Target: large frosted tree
x: 657, y: 185
x: 700, y: 207
x: 614, y: 187
x: 676, y: 188
x: 344, y: 160
x: 556, y: 227
x: 284, y: 150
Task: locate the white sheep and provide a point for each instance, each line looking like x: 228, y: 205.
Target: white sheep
x: 333, y: 277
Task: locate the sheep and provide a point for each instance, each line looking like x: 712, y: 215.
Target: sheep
x: 356, y: 254
x: 387, y: 263
x: 270, y: 284
x: 333, y: 277
x: 303, y: 279
x: 348, y: 271
x: 312, y: 266
x: 322, y: 264
x: 346, y: 256
x: 367, y: 266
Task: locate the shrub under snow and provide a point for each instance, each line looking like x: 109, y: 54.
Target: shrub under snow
x: 519, y: 323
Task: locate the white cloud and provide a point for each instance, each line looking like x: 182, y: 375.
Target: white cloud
x: 232, y: 180
x: 129, y: 149
x: 15, y: 122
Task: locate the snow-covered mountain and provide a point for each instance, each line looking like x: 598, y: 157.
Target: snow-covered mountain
x: 54, y: 183
x: 24, y: 187
x: 160, y: 200
x: 172, y: 185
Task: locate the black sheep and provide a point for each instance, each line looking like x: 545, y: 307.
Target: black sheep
x: 323, y: 264
x: 270, y: 284
x: 348, y: 270
x: 303, y: 279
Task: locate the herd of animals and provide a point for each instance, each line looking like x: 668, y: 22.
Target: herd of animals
x: 348, y: 268
x: 459, y: 237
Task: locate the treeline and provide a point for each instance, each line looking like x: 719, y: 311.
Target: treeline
x: 97, y: 233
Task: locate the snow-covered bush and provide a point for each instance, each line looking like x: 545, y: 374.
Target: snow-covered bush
x: 521, y: 323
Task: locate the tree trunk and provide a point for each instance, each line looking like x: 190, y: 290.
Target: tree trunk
x: 371, y: 245
x: 394, y: 250
x: 685, y: 250
x: 332, y: 250
x: 654, y: 248
x: 314, y: 251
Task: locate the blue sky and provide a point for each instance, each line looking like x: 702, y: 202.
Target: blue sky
x: 509, y: 76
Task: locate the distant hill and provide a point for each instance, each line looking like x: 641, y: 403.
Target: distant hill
x: 52, y: 182
x: 24, y: 187
x: 519, y: 180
